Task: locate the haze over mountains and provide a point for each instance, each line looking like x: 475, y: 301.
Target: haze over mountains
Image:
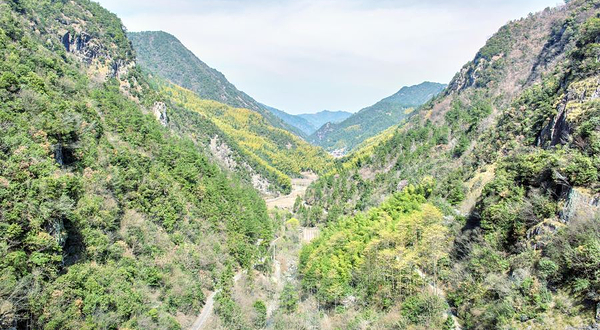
x: 135, y: 179
x: 308, y: 123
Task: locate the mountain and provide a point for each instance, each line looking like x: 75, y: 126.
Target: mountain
x: 130, y: 202
x: 310, y: 122
x: 108, y: 219
x: 321, y: 118
x: 345, y: 136
x: 244, y: 138
x: 273, y: 154
x: 165, y: 56
x: 480, y: 211
x: 305, y: 126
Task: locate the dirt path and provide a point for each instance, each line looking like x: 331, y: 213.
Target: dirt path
x: 285, y: 202
x: 208, y: 307
x: 298, y: 188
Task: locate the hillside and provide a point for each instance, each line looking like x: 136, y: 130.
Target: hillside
x: 275, y: 153
x: 128, y: 201
x: 108, y: 220
x: 245, y: 140
x: 346, y: 135
x: 164, y: 55
x: 509, y: 154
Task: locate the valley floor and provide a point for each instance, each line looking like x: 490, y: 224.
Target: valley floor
x: 283, y: 267
x: 299, y: 186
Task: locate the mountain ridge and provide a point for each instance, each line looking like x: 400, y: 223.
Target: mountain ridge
x: 164, y: 54
x: 263, y: 150
x: 108, y: 218
x: 345, y: 136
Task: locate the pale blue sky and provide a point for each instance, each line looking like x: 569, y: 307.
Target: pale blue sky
x: 306, y: 56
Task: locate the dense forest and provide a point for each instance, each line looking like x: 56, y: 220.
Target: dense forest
x: 509, y: 153
x: 108, y: 220
x: 132, y: 195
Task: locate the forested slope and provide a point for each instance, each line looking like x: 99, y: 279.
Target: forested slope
x: 164, y: 55
x: 250, y: 140
x: 510, y: 153
x: 108, y: 220
x: 280, y: 153
x: 344, y: 136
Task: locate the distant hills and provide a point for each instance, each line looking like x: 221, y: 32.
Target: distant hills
x: 323, y: 117
x: 370, y: 121
x: 308, y: 123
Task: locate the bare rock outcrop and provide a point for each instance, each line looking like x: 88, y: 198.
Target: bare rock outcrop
x: 160, y: 112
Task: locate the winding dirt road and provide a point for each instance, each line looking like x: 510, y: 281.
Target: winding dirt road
x: 207, y: 309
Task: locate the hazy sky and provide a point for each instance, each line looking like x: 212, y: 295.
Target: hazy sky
x: 306, y: 56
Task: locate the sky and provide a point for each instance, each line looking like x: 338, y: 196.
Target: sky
x: 303, y: 56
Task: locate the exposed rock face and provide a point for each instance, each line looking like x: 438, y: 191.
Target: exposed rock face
x: 467, y: 76
x: 160, y: 112
x: 63, y: 155
x: 222, y: 153
x: 104, y: 59
x: 82, y: 45
x: 58, y: 155
x: 261, y: 184
x: 225, y: 157
x: 558, y: 130
x: 401, y: 185
x: 580, y: 205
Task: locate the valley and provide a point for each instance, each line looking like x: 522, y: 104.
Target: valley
x: 141, y: 189
x: 285, y: 202
x: 282, y: 264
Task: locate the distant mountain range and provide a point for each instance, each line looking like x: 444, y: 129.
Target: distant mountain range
x: 370, y: 121
x: 308, y: 123
x: 323, y: 117
x: 164, y: 55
